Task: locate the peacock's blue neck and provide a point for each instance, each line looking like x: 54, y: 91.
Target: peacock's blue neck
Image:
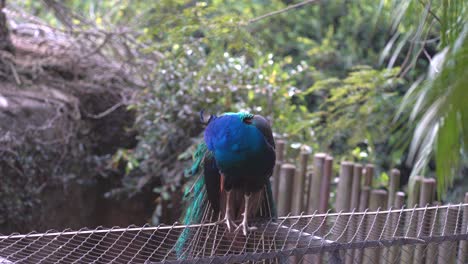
x: 233, y: 141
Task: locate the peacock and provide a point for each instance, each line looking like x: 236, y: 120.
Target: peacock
x: 231, y: 170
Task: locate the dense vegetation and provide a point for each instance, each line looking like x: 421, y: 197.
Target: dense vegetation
x: 346, y: 78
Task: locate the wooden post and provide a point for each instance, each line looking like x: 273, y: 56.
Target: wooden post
x: 319, y: 193
x: 315, y: 183
x: 363, y: 203
x: 411, y: 222
x: 447, y: 249
x: 463, y: 247
x: 394, y: 251
x: 280, y: 144
x: 368, y: 175
x: 325, y: 184
x: 276, y: 180
x: 424, y: 218
x: 286, y: 189
x: 356, y: 187
x: 343, y: 196
x: 394, y: 184
x: 343, y: 192
x: 354, y: 205
x: 299, y: 192
x: 433, y: 248
x: 313, y: 197
x: 299, y: 181
x: 413, y: 195
x: 374, y: 226
x: 364, y: 198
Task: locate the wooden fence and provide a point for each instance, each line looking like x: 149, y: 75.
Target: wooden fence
x: 298, y: 189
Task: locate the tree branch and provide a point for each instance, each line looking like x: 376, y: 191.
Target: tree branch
x: 61, y: 12
x: 288, y: 8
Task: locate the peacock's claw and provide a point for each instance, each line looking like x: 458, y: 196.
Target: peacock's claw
x: 244, y: 224
x: 245, y: 227
x: 229, y: 222
x: 227, y: 215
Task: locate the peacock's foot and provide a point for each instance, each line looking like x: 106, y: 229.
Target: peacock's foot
x: 229, y: 222
x: 227, y: 215
x: 245, y: 227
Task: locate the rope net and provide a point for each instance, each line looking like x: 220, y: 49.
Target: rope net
x: 436, y: 234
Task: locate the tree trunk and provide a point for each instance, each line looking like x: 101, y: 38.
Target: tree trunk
x: 5, y: 41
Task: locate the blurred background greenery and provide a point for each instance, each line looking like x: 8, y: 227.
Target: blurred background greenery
x: 369, y: 81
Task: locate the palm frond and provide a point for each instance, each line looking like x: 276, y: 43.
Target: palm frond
x: 440, y: 108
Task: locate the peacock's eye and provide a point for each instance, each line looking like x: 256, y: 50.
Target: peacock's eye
x: 248, y: 120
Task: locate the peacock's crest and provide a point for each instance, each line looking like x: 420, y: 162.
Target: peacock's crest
x: 242, y: 115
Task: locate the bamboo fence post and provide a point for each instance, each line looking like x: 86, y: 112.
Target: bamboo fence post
x: 363, y: 203
x: 399, y: 202
x: 463, y: 247
x: 411, y: 222
x: 424, y: 218
x: 280, y: 144
x: 299, y: 180
x: 447, y: 249
x: 354, y: 205
x: 325, y: 184
x: 315, y: 183
x: 374, y: 226
x: 394, y: 184
x: 286, y: 189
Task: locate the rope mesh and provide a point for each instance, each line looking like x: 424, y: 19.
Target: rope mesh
x: 437, y: 234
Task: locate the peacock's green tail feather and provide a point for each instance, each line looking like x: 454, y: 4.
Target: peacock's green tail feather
x: 195, y: 194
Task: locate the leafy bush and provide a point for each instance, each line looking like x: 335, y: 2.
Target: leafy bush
x: 357, y: 111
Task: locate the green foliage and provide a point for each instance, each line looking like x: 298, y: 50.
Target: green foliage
x: 355, y: 110
x: 442, y: 112
x: 435, y: 103
x: 184, y: 84
x: 382, y: 180
x: 211, y: 56
x: 302, y: 69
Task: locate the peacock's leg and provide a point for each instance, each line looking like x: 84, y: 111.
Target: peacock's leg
x: 244, y: 224
x: 227, y: 214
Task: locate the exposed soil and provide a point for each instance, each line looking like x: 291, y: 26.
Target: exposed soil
x: 62, y: 116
